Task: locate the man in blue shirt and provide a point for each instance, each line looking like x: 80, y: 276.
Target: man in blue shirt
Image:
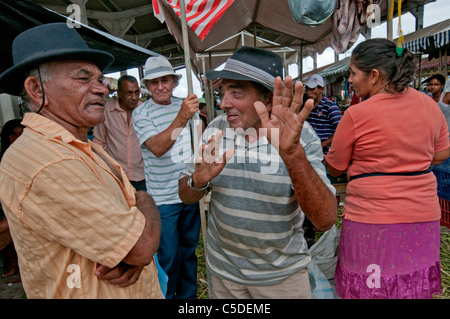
x: 325, y: 115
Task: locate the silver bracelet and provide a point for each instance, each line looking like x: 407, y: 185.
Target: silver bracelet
x: 189, y: 183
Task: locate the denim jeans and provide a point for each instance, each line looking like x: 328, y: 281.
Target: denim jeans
x: 180, y: 230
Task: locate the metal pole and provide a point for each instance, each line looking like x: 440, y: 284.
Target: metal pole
x: 195, y: 120
x: 390, y: 17
x: 187, y: 58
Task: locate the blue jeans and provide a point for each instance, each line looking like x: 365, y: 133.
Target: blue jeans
x: 180, y: 230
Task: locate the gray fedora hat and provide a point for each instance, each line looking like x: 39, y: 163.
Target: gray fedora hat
x: 251, y: 64
x: 45, y: 43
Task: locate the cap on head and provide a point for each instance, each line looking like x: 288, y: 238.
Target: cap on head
x: 45, y: 43
x: 251, y: 64
x: 315, y: 80
x: 158, y: 66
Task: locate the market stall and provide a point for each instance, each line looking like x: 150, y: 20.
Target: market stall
x: 431, y: 43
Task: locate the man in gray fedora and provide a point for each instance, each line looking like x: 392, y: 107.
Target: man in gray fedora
x: 79, y: 227
x: 263, y: 165
x: 162, y: 127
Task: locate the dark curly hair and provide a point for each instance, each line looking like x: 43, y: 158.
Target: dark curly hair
x: 381, y: 54
x: 438, y: 77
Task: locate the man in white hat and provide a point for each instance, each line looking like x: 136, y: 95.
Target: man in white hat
x: 162, y: 128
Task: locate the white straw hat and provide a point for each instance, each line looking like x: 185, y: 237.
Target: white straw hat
x: 156, y: 67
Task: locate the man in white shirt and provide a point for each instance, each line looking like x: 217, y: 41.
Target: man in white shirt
x: 162, y: 128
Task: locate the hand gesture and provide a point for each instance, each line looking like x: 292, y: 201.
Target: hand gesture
x: 284, y: 124
x: 210, y: 164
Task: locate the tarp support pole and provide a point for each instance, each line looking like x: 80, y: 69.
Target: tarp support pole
x: 187, y: 59
x: 195, y: 120
x: 420, y: 72
x: 389, y: 28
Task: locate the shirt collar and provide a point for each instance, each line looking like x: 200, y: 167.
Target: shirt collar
x: 117, y: 106
x: 51, y: 129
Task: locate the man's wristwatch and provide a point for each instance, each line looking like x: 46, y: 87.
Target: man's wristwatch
x: 189, y: 183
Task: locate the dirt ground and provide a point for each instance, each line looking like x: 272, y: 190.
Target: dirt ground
x: 11, y: 287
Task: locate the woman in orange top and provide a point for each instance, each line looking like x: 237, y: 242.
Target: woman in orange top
x: 390, y: 235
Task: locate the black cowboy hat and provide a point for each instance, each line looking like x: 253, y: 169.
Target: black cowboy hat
x: 46, y: 43
x: 251, y: 64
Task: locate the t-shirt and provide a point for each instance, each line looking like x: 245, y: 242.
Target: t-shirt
x: 162, y: 173
x: 390, y: 133
x: 255, y: 234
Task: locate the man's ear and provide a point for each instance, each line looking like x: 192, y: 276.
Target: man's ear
x: 34, y: 90
x: 268, y: 101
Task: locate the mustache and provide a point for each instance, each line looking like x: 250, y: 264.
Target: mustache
x: 100, y: 102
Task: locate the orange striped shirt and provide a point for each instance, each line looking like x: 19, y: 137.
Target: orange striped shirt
x: 70, y: 207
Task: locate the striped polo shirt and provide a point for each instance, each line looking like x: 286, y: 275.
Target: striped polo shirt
x: 162, y: 173
x: 255, y: 234
x: 324, y: 119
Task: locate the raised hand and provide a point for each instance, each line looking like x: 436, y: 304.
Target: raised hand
x: 284, y: 123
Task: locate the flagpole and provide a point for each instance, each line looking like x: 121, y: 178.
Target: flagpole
x: 195, y: 120
x: 187, y: 59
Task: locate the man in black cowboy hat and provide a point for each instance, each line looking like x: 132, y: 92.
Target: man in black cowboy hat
x: 264, y: 167
x: 79, y: 227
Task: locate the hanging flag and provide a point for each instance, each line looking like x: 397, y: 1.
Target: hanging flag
x: 215, y: 83
x: 157, y: 11
x: 201, y: 15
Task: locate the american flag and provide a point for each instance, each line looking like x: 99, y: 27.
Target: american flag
x: 201, y: 15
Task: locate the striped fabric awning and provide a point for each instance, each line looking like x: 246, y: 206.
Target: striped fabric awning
x: 434, y: 36
x: 440, y: 39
